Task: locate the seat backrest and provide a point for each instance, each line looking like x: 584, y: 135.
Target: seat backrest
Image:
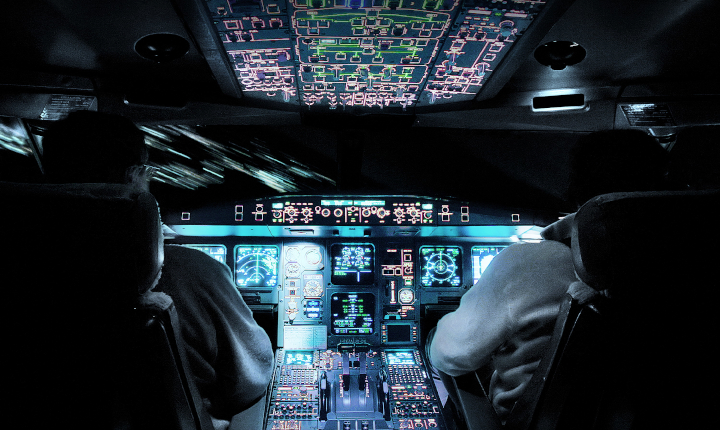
x: 88, y: 344
x: 655, y: 254
x: 639, y: 359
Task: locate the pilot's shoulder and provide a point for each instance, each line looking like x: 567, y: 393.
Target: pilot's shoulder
x: 544, y: 247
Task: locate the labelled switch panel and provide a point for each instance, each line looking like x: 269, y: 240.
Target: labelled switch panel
x: 371, y: 55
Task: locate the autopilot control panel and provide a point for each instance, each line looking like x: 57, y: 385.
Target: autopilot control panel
x: 352, y: 280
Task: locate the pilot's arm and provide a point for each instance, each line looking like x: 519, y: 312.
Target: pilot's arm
x: 230, y: 356
x: 520, y: 282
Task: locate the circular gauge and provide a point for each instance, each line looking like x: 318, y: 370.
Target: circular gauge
x: 292, y: 254
x: 313, y: 257
x: 406, y: 296
x: 313, y: 289
x: 292, y: 270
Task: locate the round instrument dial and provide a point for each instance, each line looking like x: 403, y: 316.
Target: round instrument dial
x: 406, y: 296
x: 313, y: 289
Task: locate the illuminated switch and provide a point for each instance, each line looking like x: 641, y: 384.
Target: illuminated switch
x: 185, y: 216
x: 464, y: 214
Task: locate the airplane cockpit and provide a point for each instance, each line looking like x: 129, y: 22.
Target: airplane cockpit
x: 351, y: 284
x: 357, y: 165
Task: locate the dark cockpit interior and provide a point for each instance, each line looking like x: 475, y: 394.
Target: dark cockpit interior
x: 357, y: 165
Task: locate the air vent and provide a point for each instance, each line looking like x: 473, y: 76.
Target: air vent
x: 560, y: 102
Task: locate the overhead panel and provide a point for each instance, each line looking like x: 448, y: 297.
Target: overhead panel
x: 367, y: 55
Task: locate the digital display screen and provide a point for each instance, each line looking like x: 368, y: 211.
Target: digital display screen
x: 441, y: 266
x: 400, y: 357
x: 218, y: 252
x: 353, y: 263
x: 299, y: 358
x: 352, y: 313
x: 399, y: 333
x: 481, y: 257
x: 256, y: 265
x: 313, y: 309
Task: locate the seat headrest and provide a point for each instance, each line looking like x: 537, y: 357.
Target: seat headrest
x: 99, y: 239
x: 624, y: 239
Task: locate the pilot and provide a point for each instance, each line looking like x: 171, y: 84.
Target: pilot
x: 505, y: 321
x: 230, y: 356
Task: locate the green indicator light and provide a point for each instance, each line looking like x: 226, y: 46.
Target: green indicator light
x: 427, y: 206
x: 277, y: 205
x: 336, y: 202
x: 369, y: 203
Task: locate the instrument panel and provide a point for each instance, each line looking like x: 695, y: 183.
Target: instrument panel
x: 349, y: 323
x: 352, y: 281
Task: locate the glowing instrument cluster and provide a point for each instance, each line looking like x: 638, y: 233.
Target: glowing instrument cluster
x: 372, y: 54
x: 353, y: 389
x: 349, y: 324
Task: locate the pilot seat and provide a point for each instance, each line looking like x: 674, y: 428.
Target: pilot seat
x: 88, y: 344
x: 632, y: 344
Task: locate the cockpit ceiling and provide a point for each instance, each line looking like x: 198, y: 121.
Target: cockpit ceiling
x: 368, y: 55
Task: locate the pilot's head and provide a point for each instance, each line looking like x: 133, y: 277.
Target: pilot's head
x: 615, y: 161
x: 89, y: 147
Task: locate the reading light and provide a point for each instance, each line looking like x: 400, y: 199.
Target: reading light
x: 162, y: 47
x: 559, y: 54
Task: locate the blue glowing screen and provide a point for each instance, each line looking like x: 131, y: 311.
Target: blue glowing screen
x: 481, y: 257
x: 399, y: 357
x: 299, y: 357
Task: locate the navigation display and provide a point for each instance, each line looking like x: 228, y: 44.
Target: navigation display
x: 352, y: 313
x: 353, y: 263
x: 256, y: 265
x: 481, y: 257
x: 299, y: 358
x: 441, y: 266
x: 400, y: 357
x: 218, y: 252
